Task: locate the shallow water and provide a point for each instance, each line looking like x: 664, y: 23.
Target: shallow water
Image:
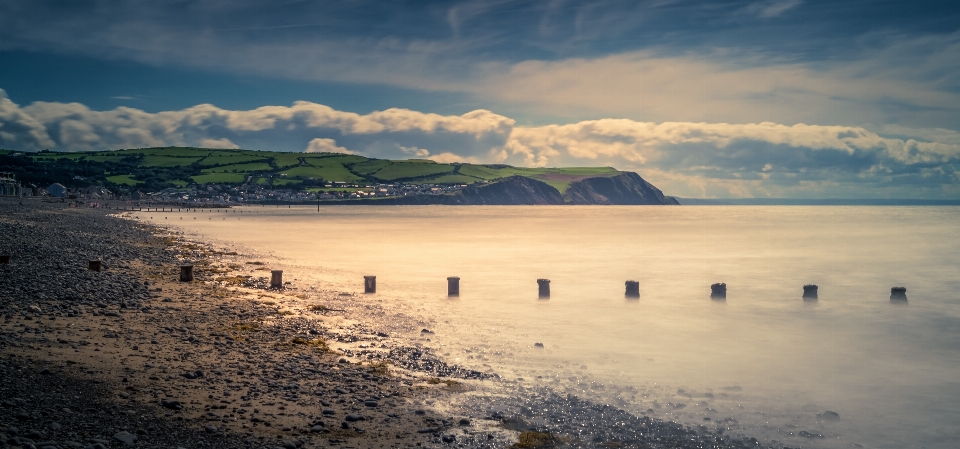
x: 763, y: 357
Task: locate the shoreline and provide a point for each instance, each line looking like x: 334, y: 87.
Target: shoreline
x: 223, y: 360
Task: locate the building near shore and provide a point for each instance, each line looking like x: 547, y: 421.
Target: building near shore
x: 57, y: 190
x: 9, y: 184
x: 96, y: 192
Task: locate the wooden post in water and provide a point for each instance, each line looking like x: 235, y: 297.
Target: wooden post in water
x: 186, y: 273
x: 276, y: 279
x: 4, y: 260
x: 810, y: 291
x: 95, y: 265
x: 633, y: 289
x: 544, y: 288
x: 718, y: 291
x: 898, y: 294
x: 369, y: 284
x: 453, y: 286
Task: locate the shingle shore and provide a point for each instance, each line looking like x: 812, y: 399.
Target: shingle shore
x: 129, y: 356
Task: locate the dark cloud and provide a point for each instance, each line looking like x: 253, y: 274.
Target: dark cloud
x: 740, y: 61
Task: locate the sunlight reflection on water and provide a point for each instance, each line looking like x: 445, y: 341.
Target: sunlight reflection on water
x: 763, y: 356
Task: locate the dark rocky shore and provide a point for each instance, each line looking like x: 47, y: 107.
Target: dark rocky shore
x: 130, y: 357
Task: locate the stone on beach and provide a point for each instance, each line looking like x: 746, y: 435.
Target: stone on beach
x: 125, y: 437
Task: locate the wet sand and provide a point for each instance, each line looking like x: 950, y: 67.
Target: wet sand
x: 131, y: 356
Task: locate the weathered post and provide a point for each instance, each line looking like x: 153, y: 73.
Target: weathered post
x: 544, y: 288
x: 453, y: 286
x: 810, y: 291
x: 95, y: 265
x: 898, y: 294
x: 276, y: 279
x: 633, y: 289
x: 4, y: 260
x: 369, y: 284
x: 186, y: 273
x: 718, y: 291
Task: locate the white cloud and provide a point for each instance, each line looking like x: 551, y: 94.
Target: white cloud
x: 218, y: 143
x: 768, y: 9
x: 19, y: 128
x: 929, y: 134
x: 443, y: 158
x: 313, y: 115
x: 684, y: 158
x: 739, y: 87
x: 414, y: 151
x: 448, y: 157
x: 321, y: 145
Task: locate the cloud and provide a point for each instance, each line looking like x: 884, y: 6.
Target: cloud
x: 321, y: 145
x: 941, y: 135
x: 571, y: 59
x: 414, y: 151
x: 75, y: 127
x: 768, y: 9
x: 736, y: 86
x: 218, y: 143
x: 18, y: 128
x: 685, y: 158
x: 448, y: 157
x: 313, y: 115
x: 443, y: 158
x: 754, y: 159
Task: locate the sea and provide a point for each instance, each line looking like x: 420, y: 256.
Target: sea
x: 852, y: 368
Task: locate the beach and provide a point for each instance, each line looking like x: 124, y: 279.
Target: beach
x: 132, y: 356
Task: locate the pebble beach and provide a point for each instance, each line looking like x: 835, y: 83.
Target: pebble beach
x: 129, y: 356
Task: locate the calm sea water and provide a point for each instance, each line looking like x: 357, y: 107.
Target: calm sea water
x: 764, y: 357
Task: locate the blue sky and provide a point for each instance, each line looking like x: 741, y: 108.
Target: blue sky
x: 785, y: 98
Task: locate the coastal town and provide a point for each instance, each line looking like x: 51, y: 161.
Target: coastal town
x: 223, y: 195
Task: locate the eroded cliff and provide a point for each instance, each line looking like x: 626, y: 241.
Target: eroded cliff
x: 624, y: 188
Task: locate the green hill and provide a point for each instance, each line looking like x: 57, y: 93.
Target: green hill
x: 152, y: 169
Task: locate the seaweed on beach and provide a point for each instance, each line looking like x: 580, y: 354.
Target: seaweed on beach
x: 315, y: 343
x: 535, y: 440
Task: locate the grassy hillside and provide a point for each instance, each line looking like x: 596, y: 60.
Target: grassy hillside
x: 158, y: 168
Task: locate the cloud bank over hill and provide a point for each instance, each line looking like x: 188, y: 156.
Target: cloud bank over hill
x: 683, y: 158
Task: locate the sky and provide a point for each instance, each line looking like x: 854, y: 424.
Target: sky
x: 714, y: 99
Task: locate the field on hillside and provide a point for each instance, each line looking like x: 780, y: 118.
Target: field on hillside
x: 157, y: 168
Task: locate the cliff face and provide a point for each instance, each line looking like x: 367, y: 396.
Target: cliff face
x: 515, y: 190
x: 625, y: 188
